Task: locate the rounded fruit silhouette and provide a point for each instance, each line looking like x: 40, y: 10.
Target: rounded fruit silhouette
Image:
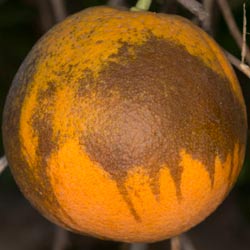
x: 124, y: 125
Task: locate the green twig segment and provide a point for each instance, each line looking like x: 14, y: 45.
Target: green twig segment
x: 142, y: 5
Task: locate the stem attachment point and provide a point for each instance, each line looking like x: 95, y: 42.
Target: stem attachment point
x: 142, y: 5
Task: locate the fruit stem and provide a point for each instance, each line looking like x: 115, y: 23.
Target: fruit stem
x: 142, y: 5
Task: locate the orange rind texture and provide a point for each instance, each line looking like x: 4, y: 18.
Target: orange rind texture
x: 61, y: 118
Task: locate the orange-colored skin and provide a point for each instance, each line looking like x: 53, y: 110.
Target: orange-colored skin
x: 83, y: 189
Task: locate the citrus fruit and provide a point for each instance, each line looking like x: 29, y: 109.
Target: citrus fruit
x: 128, y: 126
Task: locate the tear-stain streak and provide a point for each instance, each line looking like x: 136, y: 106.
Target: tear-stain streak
x: 168, y: 100
x: 42, y: 123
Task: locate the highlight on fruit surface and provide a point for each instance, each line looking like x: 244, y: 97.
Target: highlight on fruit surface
x: 123, y: 125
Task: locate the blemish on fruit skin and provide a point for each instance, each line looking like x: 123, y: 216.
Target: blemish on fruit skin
x: 42, y: 124
x: 152, y: 120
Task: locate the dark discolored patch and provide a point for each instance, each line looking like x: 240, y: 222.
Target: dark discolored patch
x: 37, y: 189
x: 48, y: 143
x: 169, y: 101
x: 42, y: 126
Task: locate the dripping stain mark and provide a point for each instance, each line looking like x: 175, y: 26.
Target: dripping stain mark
x: 153, y: 119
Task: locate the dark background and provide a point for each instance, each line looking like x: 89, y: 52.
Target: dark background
x: 22, y: 22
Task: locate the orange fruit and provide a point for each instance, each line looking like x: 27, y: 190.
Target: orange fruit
x: 128, y: 126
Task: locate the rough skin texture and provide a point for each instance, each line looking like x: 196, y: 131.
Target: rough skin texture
x: 126, y: 126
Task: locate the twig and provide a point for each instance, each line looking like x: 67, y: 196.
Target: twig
x: 142, y: 5
x: 233, y: 28
x: 238, y: 64
x: 61, y: 240
x: 244, y: 44
x: 3, y: 164
x: 59, y: 9
x: 167, y: 6
x: 138, y: 246
x: 194, y: 7
x: 45, y: 15
x: 208, y: 7
x: 116, y: 3
x: 175, y: 243
x: 186, y: 243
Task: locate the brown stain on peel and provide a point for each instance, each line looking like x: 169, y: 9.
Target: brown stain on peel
x: 166, y: 104
x: 42, y: 193
x: 48, y: 143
